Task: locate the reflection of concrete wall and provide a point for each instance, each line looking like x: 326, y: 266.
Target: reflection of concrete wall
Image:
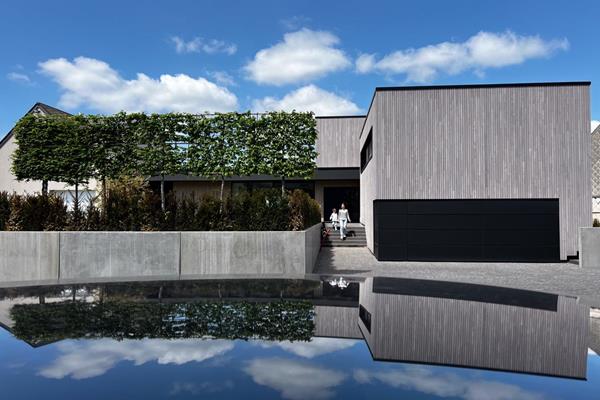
x: 589, y: 247
x: 84, y: 256
x: 339, y: 322
x: 477, y: 334
x: 28, y: 256
x: 216, y: 253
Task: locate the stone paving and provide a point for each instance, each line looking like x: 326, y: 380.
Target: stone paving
x: 565, y: 278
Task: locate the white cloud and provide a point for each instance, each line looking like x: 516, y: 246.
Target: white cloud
x: 303, y: 55
x: 200, y: 45
x: 88, y: 359
x: 295, y: 380
x: 91, y: 82
x: 316, y: 347
x: 595, y: 124
x: 308, y: 98
x: 294, y: 22
x: 445, y: 385
x: 18, y: 77
x: 481, y: 51
x: 222, y: 78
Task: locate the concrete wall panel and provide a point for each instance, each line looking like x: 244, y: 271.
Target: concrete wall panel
x: 28, y: 256
x: 99, y: 255
x: 589, y: 248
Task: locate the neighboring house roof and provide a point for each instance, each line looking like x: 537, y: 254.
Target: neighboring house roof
x: 596, y: 162
x: 38, y: 108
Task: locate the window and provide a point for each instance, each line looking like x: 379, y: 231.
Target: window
x: 68, y: 196
x: 367, y: 151
x: 365, y: 317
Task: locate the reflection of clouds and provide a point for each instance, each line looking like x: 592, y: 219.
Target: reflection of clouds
x: 316, y: 347
x: 294, y: 379
x: 87, y: 359
x: 445, y: 385
x: 202, y: 387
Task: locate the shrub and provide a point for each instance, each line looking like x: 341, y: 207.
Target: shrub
x: 132, y: 206
x: 304, y: 211
x: 4, y: 210
x: 596, y: 223
x: 37, y: 213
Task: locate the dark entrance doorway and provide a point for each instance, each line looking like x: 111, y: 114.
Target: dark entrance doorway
x: 466, y: 230
x: 334, y: 196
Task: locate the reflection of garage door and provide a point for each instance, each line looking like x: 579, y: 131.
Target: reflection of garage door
x: 466, y: 230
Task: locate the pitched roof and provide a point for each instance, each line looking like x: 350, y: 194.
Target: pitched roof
x: 38, y: 108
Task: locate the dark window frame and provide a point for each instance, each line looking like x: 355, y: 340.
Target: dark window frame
x: 366, y: 153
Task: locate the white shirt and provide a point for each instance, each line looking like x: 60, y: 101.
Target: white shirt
x: 333, y: 217
x: 343, y: 214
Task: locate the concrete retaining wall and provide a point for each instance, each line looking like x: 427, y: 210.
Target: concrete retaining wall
x: 118, y: 254
x: 29, y: 256
x: 589, y: 247
x: 66, y: 257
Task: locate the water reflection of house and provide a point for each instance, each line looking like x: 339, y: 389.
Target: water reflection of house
x: 474, y: 326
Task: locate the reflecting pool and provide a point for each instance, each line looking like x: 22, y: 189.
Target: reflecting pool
x: 377, y: 338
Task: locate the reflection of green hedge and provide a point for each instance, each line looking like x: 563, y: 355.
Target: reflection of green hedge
x: 280, y: 320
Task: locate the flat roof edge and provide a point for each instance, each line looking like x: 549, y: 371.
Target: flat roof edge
x: 482, y: 85
x: 339, y: 116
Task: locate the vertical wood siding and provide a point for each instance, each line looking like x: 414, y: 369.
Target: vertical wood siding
x: 476, y: 334
x: 339, y: 322
x: 496, y: 142
x: 337, y: 143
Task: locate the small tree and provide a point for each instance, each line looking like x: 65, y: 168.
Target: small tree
x: 286, y: 145
x: 36, y: 155
x: 74, y: 149
x: 226, y: 146
x: 158, y: 148
x: 113, y: 148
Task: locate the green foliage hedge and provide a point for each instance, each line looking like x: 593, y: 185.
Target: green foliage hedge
x: 277, y: 320
x: 133, y: 206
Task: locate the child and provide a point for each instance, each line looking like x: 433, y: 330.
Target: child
x: 334, y: 219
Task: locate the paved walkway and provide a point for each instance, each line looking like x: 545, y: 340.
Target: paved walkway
x: 561, y: 278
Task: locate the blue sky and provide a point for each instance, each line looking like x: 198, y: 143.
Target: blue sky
x: 101, y: 57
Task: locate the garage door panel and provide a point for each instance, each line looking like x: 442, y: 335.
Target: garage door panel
x: 467, y: 230
x: 522, y: 206
x: 521, y: 237
x: 392, y: 222
x: 391, y: 208
x: 444, y: 221
x: 522, y: 253
x: 444, y: 253
x: 442, y: 207
x: 445, y: 237
x: 393, y: 236
x: 392, y: 253
x: 520, y: 221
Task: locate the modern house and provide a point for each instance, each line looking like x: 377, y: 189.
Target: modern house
x: 497, y: 172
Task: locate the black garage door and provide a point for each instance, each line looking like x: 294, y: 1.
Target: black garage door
x: 466, y: 230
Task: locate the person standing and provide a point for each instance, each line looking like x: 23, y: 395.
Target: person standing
x: 343, y: 218
x: 334, y: 219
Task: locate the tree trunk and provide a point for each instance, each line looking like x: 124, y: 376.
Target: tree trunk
x: 283, y: 186
x: 222, y: 187
x: 162, y: 193
x: 76, y: 205
x: 221, y: 195
x: 104, y: 196
x: 45, y: 187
